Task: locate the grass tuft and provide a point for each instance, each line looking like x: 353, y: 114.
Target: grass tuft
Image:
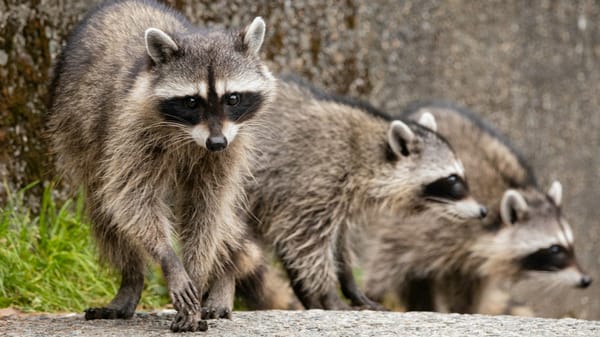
x: 48, y: 263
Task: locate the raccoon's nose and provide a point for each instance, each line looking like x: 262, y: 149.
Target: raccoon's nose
x: 215, y: 144
x: 585, y: 281
x: 483, y: 212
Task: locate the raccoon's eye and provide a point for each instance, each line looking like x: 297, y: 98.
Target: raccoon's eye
x: 191, y: 102
x: 452, y: 187
x: 233, y: 99
x: 555, y: 249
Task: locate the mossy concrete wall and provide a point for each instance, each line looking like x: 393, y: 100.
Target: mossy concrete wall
x: 531, y: 67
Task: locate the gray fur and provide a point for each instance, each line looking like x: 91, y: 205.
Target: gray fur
x: 325, y: 166
x: 458, y: 266
x: 148, y: 180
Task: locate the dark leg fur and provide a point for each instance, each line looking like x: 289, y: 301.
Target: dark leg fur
x: 251, y: 289
x: 308, y: 301
x: 124, y: 303
x: 131, y: 264
x: 349, y: 288
x: 417, y: 295
x: 346, y: 278
x: 329, y: 301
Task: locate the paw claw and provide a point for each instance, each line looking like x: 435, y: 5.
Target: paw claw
x: 188, y: 323
x: 216, y: 312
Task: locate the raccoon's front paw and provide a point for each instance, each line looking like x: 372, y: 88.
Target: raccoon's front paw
x: 183, y: 294
x: 188, y: 322
x: 108, y: 313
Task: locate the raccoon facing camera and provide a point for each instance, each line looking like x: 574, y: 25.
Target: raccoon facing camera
x: 155, y: 118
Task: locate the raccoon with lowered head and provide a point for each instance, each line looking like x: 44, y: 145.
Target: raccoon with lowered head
x: 328, y: 166
x: 154, y: 117
x: 456, y: 266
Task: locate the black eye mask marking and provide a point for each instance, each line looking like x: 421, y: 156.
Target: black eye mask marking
x: 184, y: 110
x: 241, y: 106
x: 189, y: 110
x: 450, y: 188
x: 548, y: 259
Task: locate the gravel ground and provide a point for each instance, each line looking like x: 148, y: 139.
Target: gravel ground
x: 306, y: 323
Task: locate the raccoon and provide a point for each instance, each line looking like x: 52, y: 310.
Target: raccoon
x: 456, y: 265
x: 155, y: 118
x: 327, y: 165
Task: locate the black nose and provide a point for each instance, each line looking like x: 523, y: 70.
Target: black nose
x: 216, y: 143
x: 483, y: 212
x: 585, y: 281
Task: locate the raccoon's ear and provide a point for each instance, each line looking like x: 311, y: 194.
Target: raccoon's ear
x: 254, y: 35
x: 159, y: 45
x: 428, y: 120
x: 399, y: 137
x: 513, y: 207
x: 555, y: 192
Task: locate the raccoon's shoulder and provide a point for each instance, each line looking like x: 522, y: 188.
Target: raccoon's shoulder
x: 476, y: 141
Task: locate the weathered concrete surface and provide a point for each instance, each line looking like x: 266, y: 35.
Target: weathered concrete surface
x: 308, y: 324
x: 532, y: 67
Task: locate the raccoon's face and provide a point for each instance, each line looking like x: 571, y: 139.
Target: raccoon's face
x: 436, y: 177
x: 211, y: 84
x: 541, y: 239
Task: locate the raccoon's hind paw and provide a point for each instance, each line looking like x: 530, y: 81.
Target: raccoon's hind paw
x: 108, y: 313
x: 216, y: 312
x: 370, y: 306
x: 188, y: 323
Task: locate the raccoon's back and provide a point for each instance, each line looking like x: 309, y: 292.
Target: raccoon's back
x: 94, y: 73
x: 307, y: 150
x: 492, y: 164
x: 305, y: 133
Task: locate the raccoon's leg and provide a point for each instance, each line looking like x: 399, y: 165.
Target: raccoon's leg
x: 346, y: 278
x: 250, y: 283
x: 265, y: 289
x: 131, y: 264
x: 383, y: 272
x: 417, y: 294
x: 202, y: 270
x: 219, y: 302
x: 135, y: 189
x: 154, y: 239
x: 219, y: 298
x: 462, y: 293
x: 253, y: 290
x: 211, y: 235
x: 353, y: 293
x: 312, y: 274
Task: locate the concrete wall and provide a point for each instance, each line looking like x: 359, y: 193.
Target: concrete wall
x: 531, y: 67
